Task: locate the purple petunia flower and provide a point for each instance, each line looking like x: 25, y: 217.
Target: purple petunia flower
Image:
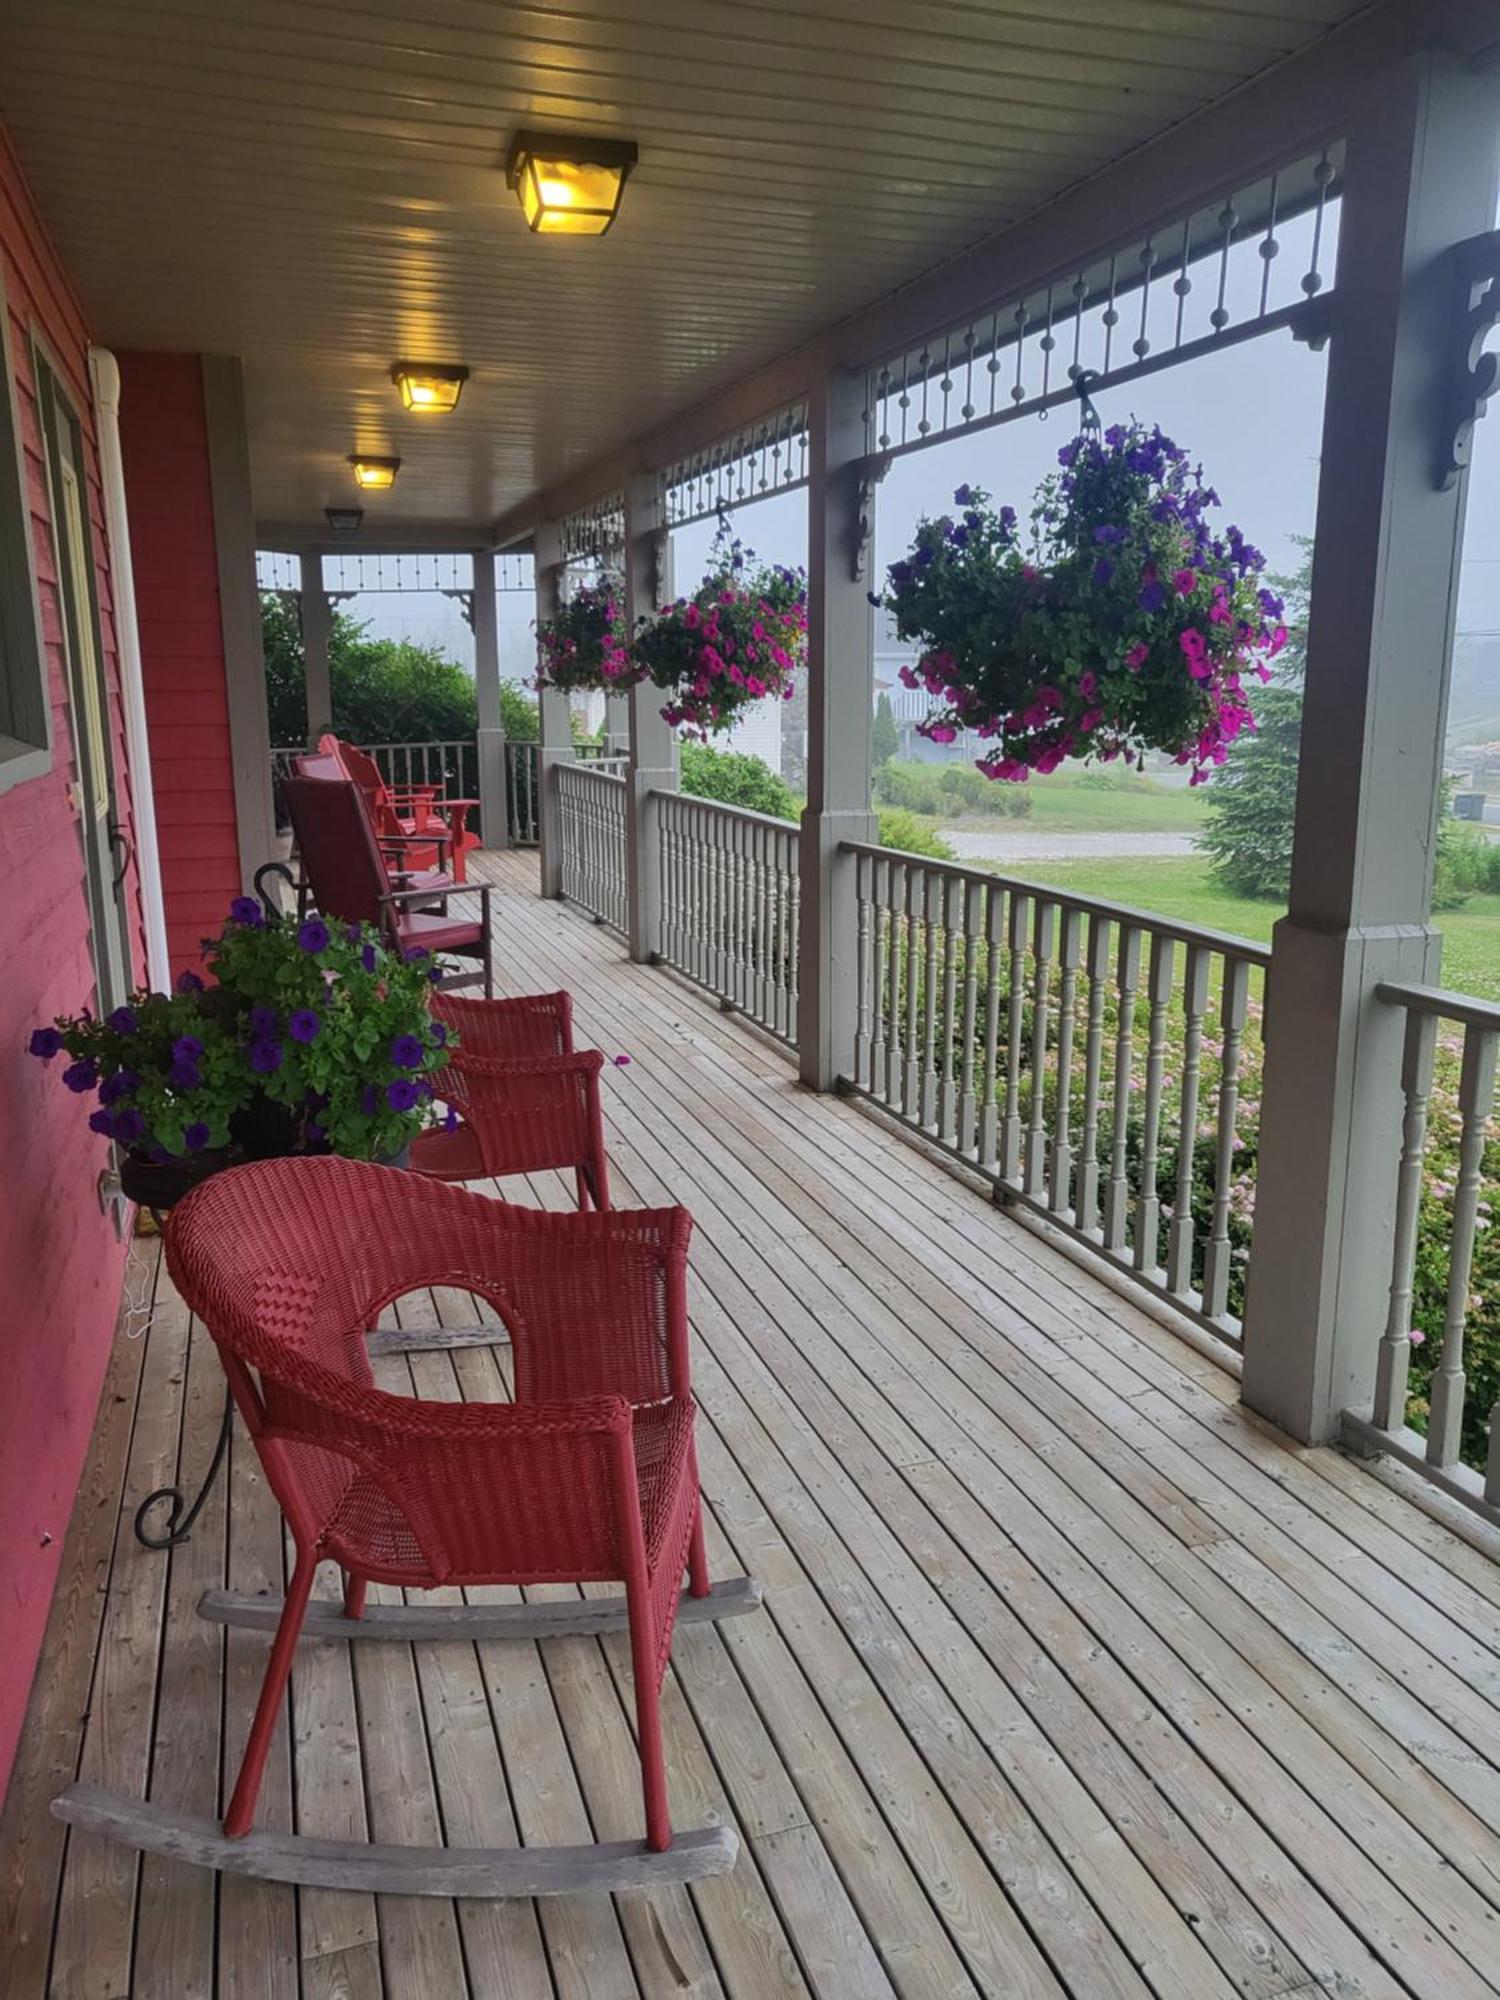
x: 407, y: 1052
x: 264, y: 1021
x: 312, y: 934
x: 265, y: 1057
x: 184, y: 1075
x: 439, y: 1032
x: 1108, y: 534
x: 415, y: 953
x: 369, y: 1100
x: 124, y: 1083
x: 196, y: 1137
x: 314, y: 1133
x: 367, y: 958
x: 352, y: 934
x: 963, y: 496
x: 450, y: 1120
x: 45, y: 1042
x: 245, y: 910
x: 102, y: 1122
x: 122, y: 1021
x: 402, y: 1094
x: 189, y: 982
x: 187, y: 1048
x: 304, y: 1025
x: 130, y: 1126
x: 435, y: 971
x: 1104, y: 569
x: 82, y: 1075
x: 1153, y: 597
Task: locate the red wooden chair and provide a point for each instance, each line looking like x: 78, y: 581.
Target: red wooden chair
x: 348, y: 880
x: 590, y: 1475
x: 411, y: 863
x: 408, y: 810
x: 525, y: 1100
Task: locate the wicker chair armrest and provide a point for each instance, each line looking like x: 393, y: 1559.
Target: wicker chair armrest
x: 583, y: 1062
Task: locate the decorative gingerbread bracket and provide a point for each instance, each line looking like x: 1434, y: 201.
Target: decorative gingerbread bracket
x: 870, y: 474
x: 1312, y: 322
x: 464, y: 599
x: 1474, y: 372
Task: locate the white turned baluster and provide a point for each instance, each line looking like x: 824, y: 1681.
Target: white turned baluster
x: 897, y: 899
x: 973, y: 917
x: 1117, y: 1195
x: 1395, y: 1344
x: 952, y: 904
x: 881, y: 891
x: 911, y: 1085
x: 1015, y: 1029
x: 1148, y: 1203
x: 1086, y: 1208
x: 989, y: 1085
x: 1043, y: 939
x: 1180, y: 1237
x: 863, y: 963
x: 764, y: 960
x: 1476, y: 1099
x: 794, y: 921
x: 1069, y: 945
x: 1217, y: 1257
x: 932, y: 912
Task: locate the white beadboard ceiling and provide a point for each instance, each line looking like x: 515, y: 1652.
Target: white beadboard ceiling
x: 317, y: 186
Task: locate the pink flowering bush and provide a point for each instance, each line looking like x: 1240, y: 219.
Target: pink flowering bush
x: 583, y: 646
x: 741, y: 636
x: 1128, y: 623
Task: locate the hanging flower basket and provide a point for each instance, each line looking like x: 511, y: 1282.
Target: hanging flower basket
x: 740, y: 638
x: 582, y: 648
x: 1127, y: 624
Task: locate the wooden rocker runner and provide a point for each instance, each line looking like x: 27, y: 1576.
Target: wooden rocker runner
x: 589, y: 1476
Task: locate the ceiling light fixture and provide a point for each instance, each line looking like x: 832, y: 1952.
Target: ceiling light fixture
x: 429, y: 385
x: 375, y: 475
x: 344, y: 520
x: 569, y: 186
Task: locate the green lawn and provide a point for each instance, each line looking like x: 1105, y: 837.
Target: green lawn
x: 1064, y: 803
x: 1183, y: 889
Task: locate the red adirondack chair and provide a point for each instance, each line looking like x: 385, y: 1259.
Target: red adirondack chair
x: 525, y: 1101
x: 589, y: 1476
x: 348, y: 880
x: 405, y: 855
x: 419, y: 810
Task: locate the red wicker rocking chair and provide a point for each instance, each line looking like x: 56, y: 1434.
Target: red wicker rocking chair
x: 589, y: 1476
x: 525, y: 1101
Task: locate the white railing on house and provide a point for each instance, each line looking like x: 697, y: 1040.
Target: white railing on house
x: 1099, y: 1064
x: 522, y: 781
x: 591, y: 819
x: 1447, y: 1179
x: 729, y: 905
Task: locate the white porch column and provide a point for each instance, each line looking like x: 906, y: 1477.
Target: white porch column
x: 840, y: 683
x: 652, y: 743
x: 556, y: 727
x: 494, y: 827
x: 617, y: 725
x: 1421, y: 176
x: 317, y: 635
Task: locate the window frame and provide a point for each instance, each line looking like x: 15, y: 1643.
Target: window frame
x: 25, y: 695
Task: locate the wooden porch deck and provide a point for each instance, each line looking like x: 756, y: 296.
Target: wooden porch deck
x: 1071, y: 1678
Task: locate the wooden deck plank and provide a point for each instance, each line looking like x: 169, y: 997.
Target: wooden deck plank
x: 1071, y: 1678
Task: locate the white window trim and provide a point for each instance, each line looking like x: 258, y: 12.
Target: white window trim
x: 28, y: 755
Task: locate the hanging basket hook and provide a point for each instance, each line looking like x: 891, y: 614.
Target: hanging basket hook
x: 1084, y: 382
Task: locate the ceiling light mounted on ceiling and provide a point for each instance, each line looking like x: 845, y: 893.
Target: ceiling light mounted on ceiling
x: 429, y: 386
x: 569, y: 186
x: 344, y: 520
x: 375, y: 475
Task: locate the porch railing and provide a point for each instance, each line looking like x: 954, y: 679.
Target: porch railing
x: 1100, y: 1064
x: 730, y: 898
x: 591, y: 816
x: 1440, y: 1416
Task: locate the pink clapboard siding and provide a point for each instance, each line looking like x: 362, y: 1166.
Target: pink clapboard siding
x: 60, y: 1262
x: 164, y: 433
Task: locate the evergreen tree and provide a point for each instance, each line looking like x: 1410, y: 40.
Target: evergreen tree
x: 1252, y: 802
x: 884, y: 741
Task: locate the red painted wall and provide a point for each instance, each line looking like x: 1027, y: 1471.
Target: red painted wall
x: 165, y: 441
x: 60, y: 1265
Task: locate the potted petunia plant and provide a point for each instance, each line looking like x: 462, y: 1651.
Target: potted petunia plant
x: 581, y: 648
x: 740, y: 637
x: 1125, y: 622
x: 307, y: 1038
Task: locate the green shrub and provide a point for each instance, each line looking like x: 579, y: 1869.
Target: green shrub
x: 735, y: 779
x: 905, y: 832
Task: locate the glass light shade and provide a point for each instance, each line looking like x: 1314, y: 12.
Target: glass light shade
x: 569, y: 187
x: 428, y: 388
x: 375, y: 475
